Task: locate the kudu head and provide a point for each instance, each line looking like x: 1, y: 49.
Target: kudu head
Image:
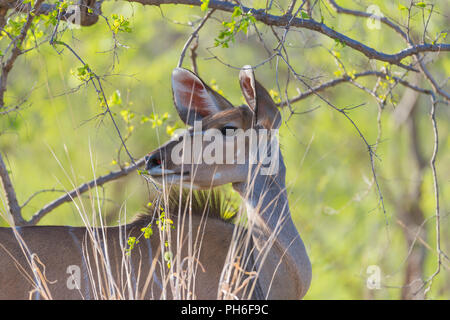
x: 222, y: 140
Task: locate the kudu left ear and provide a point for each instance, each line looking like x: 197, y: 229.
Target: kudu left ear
x: 193, y: 99
x: 259, y: 100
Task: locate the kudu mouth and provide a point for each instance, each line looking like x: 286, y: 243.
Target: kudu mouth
x: 154, y: 166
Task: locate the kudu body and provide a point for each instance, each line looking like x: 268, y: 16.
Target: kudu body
x: 279, y: 267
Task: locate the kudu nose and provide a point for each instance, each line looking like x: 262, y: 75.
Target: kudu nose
x: 152, y: 161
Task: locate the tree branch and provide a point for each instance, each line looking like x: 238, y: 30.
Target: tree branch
x: 89, y: 10
x: 281, y: 21
x: 69, y: 196
x: 193, y: 35
x: 261, y: 15
x: 11, y: 199
x: 16, y: 51
x: 363, y: 14
x: 347, y: 78
x: 406, y: 38
x: 436, y: 193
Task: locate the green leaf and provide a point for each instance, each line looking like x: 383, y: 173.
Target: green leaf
x: 120, y: 24
x: 421, y: 4
x: 339, y: 42
x: 237, y: 12
x: 83, y: 73
x: 234, y: 26
x: 115, y: 99
x: 148, y: 231
x: 168, y: 255
x: 305, y: 15
x: 205, y: 4
x: 132, y: 241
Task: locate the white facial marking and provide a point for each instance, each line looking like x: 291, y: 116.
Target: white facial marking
x: 159, y: 171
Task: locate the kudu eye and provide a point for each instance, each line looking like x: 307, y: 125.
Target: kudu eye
x: 228, y: 130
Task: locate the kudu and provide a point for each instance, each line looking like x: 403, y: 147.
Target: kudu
x: 267, y: 254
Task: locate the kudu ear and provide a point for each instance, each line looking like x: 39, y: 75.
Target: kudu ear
x: 259, y: 100
x: 193, y: 99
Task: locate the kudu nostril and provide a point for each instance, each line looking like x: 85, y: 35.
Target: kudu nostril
x: 152, y: 161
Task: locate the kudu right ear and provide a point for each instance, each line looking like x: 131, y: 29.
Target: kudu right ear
x: 259, y: 100
x: 193, y: 99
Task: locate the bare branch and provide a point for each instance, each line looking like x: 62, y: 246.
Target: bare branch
x: 69, y: 196
x: 11, y: 199
x: 363, y: 14
x: 39, y: 192
x: 436, y: 193
x: 281, y: 21
x: 370, y: 148
x: 431, y: 80
x: 193, y: 49
x: 193, y: 35
x: 347, y: 78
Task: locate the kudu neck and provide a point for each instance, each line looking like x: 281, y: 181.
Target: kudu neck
x: 271, y: 226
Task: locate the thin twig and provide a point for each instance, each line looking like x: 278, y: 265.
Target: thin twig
x: 69, y: 196
x: 38, y: 193
x: 436, y: 193
x: 347, y: 78
x: 311, y: 24
x: 192, y: 36
x: 100, y: 92
x: 193, y: 49
x: 407, y: 39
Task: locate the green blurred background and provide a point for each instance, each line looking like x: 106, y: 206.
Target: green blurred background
x: 57, y: 139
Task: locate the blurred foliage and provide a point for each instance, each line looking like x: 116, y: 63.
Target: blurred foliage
x: 58, y: 140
